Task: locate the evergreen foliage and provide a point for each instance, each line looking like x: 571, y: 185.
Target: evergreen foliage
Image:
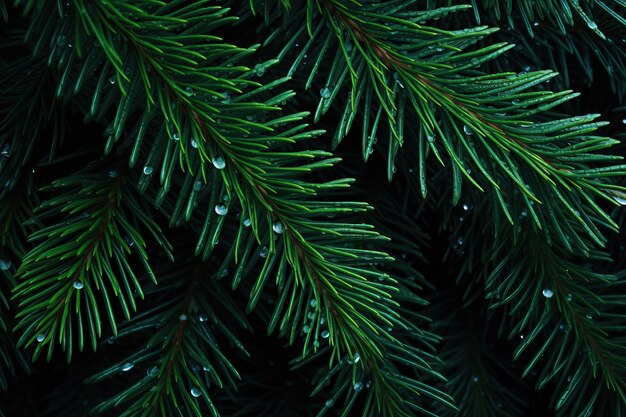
x: 312, y: 207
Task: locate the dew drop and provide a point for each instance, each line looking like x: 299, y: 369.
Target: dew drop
x: 78, y: 285
x: 329, y: 403
x: 311, y: 315
x: 176, y: 137
x: 182, y: 317
x: 4, y: 265
x: 356, y: 358
x: 219, y: 162
x: 325, y: 92
x: 6, y: 150
x: 189, y: 91
x: 61, y: 40
x: 313, y: 303
x: 153, y: 371
x: 264, y: 251
x: 41, y: 337
x: 195, y: 391
x: 197, y: 186
x: 247, y: 223
x: 620, y: 200
x: 624, y: 121
x: 203, y: 318
x: 468, y: 131
x: 358, y: 386
x: 127, y: 367
x: 194, y: 144
x: 221, y: 209
x: 474, y: 61
x: 112, y: 174
x: 467, y: 206
x: 592, y: 25
x: 474, y: 379
x: 430, y: 138
x: 325, y: 334
x: 306, y: 328
x: 547, y: 292
x: 112, y: 79
x: 278, y: 228
x: 147, y: 170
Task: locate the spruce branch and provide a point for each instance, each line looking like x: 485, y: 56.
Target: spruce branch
x: 83, y: 254
x: 576, y: 312
x: 496, y: 128
x: 187, y: 345
x: 328, y: 270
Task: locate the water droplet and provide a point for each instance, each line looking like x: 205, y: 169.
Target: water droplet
x: 569, y: 297
x: 221, y: 209
x: 535, y: 23
x: 127, y: 367
x: 592, y: 25
x: 153, y: 371
x: 259, y: 69
x: 356, y: 358
x: 194, y: 144
x: 195, y: 391
x: 460, y: 241
x: 41, y: 337
x: 277, y: 227
x: 219, y: 162
x: 189, y: 91
x: 264, y: 252
x: 467, y: 206
x: 176, y: 137
x: 203, y: 317
x: 562, y: 327
x: 325, y: 334
x: 313, y: 303
x: 5, y: 265
x: 147, y: 170
x: 197, y: 186
x: 624, y: 121
x: 468, y: 131
x: 182, y: 317
x: 112, y: 174
x: 521, y: 336
x: 516, y: 101
x: 112, y: 79
x: 474, y: 379
x: 589, y: 316
x: 78, y: 285
x: 247, y: 223
x: 322, y: 320
x: 311, y: 315
x: 306, y: 328
x: 250, y: 117
x: 329, y: 403
x: 619, y: 199
x: 358, y: 386
x: 547, y: 292
x: 6, y: 150
x: 430, y: 138
x: 474, y: 61
x: 325, y: 92
x: 316, y: 344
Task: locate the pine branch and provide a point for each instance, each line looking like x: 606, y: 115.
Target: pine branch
x: 576, y: 313
x: 187, y: 345
x: 84, y: 253
x: 495, y: 128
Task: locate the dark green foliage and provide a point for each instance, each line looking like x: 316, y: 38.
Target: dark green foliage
x: 312, y: 207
